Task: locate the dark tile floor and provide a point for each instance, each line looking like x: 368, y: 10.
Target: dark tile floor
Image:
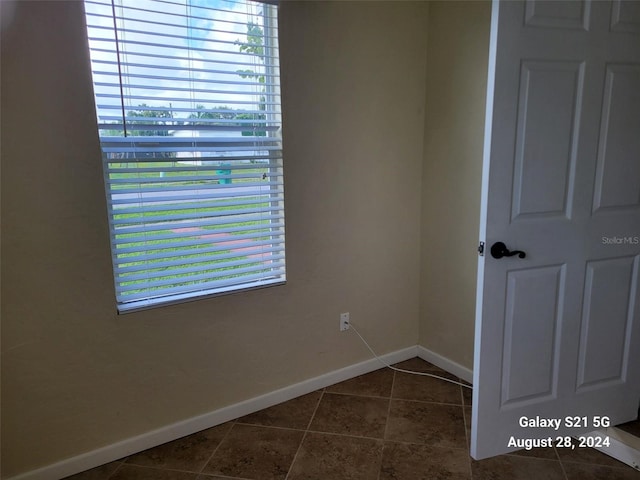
x: 384, y: 425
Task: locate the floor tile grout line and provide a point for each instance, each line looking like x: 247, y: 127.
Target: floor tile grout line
x: 304, y: 435
x: 436, y: 447
x: 358, y: 395
x: 467, y: 435
x: 157, y: 468
x: 555, y: 450
x: 117, y: 468
x: 293, y: 460
x: 224, y: 437
x: 528, y: 457
x: 532, y: 458
x: 272, y: 426
x: 315, y: 410
x: 224, y: 477
x: 464, y: 419
x: 621, y: 466
x: 424, y: 401
x: 347, y: 435
x: 564, y: 472
x: 446, y: 375
x: 391, y: 397
x: 386, y: 423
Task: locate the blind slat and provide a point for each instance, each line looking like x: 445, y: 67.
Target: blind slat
x: 219, y: 272
x: 184, y: 166
x: 218, y: 61
x: 129, y: 98
x: 152, y: 273
x: 162, y: 10
x: 153, y: 86
x: 119, y: 198
x: 134, y: 300
x: 202, y: 280
x: 249, y: 249
x: 185, y: 243
x: 259, y: 159
x: 165, y: 36
x: 143, y: 45
x: 165, y: 78
x: 244, y: 215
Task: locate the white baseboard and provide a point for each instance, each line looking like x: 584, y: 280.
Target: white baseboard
x: 177, y: 430
x: 444, y: 363
x: 622, y: 446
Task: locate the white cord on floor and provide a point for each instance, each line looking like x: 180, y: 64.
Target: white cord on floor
x: 351, y: 327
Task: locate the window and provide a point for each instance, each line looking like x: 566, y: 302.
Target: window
x: 188, y: 103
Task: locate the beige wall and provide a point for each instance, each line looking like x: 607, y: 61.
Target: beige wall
x: 75, y: 376
x: 458, y: 46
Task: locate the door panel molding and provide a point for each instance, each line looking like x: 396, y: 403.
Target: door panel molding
x: 607, y: 318
x: 617, y: 174
x: 574, y: 15
x: 534, y: 332
x: 625, y: 17
x: 547, y: 136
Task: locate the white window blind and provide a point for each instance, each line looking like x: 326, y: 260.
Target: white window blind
x: 188, y: 104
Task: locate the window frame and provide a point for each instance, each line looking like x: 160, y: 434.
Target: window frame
x: 242, y: 146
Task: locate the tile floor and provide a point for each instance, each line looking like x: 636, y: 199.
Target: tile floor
x: 381, y: 426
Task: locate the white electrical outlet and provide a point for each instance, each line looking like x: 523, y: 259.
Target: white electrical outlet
x: 344, y: 321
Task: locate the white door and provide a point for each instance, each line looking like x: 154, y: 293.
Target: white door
x: 558, y: 332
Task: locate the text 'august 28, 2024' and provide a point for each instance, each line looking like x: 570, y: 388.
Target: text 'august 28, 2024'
x: 537, y: 424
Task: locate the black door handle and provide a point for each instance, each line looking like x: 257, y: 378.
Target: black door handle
x: 499, y: 250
